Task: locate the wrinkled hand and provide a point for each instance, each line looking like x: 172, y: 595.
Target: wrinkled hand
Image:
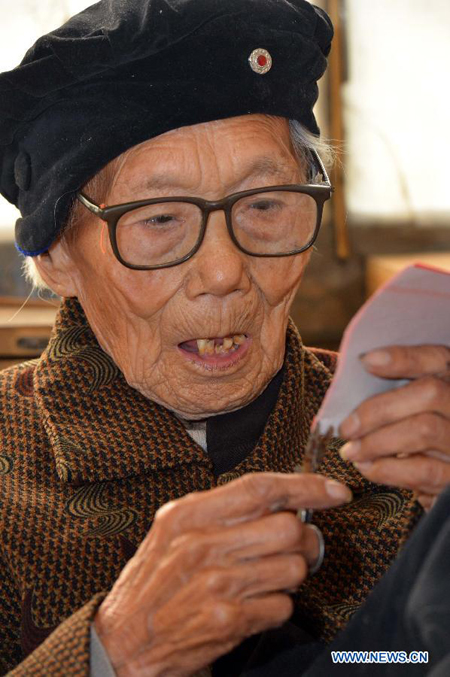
x: 402, y: 437
x: 214, y: 568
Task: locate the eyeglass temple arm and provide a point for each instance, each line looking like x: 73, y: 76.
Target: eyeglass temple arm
x: 95, y: 209
x: 320, y: 167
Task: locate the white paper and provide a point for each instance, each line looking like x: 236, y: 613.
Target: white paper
x: 413, y: 308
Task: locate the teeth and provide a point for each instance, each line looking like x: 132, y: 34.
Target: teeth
x: 201, y: 345
x: 209, y: 347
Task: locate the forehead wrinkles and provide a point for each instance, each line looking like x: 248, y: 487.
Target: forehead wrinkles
x: 160, y: 156
x: 214, y: 153
x: 120, y: 164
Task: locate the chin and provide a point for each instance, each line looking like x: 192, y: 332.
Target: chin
x: 195, y: 387
x: 197, y: 402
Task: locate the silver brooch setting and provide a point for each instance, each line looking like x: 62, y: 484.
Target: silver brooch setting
x: 260, y: 61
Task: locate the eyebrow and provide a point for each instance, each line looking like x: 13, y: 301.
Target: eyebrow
x: 262, y: 167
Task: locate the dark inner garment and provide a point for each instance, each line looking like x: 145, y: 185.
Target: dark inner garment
x: 231, y: 437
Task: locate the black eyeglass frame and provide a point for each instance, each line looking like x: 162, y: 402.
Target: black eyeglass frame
x: 320, y: 192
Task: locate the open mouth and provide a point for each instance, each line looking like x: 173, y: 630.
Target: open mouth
x: 219, y: 351
x: 214, y: 346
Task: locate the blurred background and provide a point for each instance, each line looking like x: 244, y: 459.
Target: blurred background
x: 384, y: 104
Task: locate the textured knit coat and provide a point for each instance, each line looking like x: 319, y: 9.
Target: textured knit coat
x: 85, y: 461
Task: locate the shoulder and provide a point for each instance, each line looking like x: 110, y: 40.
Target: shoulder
x: 319, y: 367
x: 317, y: 373
x: 16, y: 382
x: 17, y: 405
x: 328, y: 358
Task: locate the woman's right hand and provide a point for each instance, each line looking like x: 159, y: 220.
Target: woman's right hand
x: 214, y: 569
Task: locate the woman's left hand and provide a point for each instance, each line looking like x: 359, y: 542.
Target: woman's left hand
x: 402, y: 437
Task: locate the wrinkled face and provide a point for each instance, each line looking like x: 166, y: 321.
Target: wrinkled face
x: 154, y: 324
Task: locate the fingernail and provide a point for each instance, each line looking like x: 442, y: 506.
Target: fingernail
x: 337, y: 490
x: 350, y: 426
x: 350, y: 450
x: 362, y: 466
x: 377, y: 358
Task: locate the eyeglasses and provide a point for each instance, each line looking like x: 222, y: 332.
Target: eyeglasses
x: 273, y: 221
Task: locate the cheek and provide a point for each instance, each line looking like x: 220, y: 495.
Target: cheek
x: 279, y: 279
x: 137, y: 293
x: 145, y: 293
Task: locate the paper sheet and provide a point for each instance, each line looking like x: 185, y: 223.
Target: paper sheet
x: 413, y: 308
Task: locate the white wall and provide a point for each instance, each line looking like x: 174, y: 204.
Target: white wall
x: 397, y: 107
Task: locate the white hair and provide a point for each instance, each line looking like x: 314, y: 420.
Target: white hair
x: 32, y: 274
x: 303, y: 142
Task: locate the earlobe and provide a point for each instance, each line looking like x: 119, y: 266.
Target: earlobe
x: 56, y: 269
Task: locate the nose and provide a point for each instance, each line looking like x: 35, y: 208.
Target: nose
x: 218, y: 268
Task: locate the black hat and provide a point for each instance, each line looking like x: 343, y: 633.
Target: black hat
x: 124, y: 71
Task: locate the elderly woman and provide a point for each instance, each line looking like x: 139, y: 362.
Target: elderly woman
x: 164, y: 158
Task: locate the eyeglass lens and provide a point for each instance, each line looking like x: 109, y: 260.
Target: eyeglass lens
x: 277, y: 222
x: 158, y: 233
x: 274, y: 223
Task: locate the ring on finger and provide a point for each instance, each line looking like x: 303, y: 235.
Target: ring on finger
x: 320, y: 557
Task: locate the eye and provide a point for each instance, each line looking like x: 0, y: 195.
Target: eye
x: 160, y: 220
x: 264, y: 205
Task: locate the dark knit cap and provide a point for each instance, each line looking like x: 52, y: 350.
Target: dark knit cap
x: 124, y: 71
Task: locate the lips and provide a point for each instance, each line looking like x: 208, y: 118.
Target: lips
x: 214, y: 346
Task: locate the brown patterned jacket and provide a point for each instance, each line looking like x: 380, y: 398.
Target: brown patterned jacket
x: 85, y: 461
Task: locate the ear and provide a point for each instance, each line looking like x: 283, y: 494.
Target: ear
x: 57, y: 269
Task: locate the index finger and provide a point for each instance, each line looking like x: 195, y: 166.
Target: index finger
x: 408, y: 361
x: 254, y: 495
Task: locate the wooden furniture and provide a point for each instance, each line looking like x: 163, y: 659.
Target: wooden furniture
x: 24, y: 331
x: 336, y: 80
x: 380, y: 269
